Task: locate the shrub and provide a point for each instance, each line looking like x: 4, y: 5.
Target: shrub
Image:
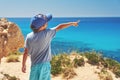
x: 117, y: 73
x: 59, y: 63
x: 15, y: 53
x: 111, y: 64
x: 104, y: 75
x: 68, y: 73
x: 12, y: 58
x: 8, y: 77
x: 93, y: 57
x: 78, y: 62
x: 56, y: 66
x: 65, y: 61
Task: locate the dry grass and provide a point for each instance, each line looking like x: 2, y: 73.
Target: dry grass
x: 69, y: 73
x: 12, y: 58
x: 104, y: 75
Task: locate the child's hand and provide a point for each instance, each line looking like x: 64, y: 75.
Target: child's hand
x: 24, y: 69
x: 75, y: 23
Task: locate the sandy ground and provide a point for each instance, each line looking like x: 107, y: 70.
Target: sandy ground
x: 14, y: 68
x: 83, y: 73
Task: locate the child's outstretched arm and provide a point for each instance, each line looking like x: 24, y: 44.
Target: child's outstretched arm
x: 24, y: 60
x: 65, y: 25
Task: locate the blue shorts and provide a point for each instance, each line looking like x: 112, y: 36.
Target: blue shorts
x: 41, y: 71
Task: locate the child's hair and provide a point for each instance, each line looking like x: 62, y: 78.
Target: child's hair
x: 33, y: 29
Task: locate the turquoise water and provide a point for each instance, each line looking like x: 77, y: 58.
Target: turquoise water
x: 100, y: 34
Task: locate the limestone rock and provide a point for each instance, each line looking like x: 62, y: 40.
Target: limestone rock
x: 11, y: 37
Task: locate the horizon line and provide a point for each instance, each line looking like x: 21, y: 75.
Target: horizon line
x: 69, y: 17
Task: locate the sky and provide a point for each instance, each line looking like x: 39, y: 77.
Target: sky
x: 60, y: 8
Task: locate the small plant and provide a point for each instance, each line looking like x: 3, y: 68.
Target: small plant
x: 56, y: 66
x: 69, y: 73
x: 12, y: 58
x: 65, y: 61
x: 112, y: 65
x: 104, y: 75
x: 78, y: 62
x: 93, y: 57
x: 117, y: 73
x: 8, y: 77
x: 59, y: 63
x: 15, y: 53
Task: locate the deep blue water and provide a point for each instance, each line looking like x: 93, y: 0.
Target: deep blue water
x: 98, y: 33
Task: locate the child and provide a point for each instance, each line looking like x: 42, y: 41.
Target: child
x: 38, y: 45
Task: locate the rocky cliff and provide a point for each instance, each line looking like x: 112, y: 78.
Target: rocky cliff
x: 11, y: 38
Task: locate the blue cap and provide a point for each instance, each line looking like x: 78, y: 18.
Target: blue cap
x: 40, y: 19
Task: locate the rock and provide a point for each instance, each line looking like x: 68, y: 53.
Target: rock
x: 11, y: 37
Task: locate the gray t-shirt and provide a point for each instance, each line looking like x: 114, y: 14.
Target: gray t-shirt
x: 39, y: 45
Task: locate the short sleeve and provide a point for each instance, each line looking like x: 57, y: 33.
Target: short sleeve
x: 51, y: 33
x: 26, y: 43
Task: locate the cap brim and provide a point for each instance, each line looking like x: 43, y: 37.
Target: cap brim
x: 49, y: 17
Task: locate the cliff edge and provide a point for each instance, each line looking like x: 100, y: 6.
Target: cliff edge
x: 11, y: 37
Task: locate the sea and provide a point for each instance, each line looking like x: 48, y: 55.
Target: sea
x: 101, y: 34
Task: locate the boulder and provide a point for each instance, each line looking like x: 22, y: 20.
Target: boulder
x: 11, y: 37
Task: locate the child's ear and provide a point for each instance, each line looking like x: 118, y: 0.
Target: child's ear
x: 45, y: 24
x: 42, y: 28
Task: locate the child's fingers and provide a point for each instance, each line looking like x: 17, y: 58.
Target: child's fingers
x: 24, y: 69
x: 78, y: 21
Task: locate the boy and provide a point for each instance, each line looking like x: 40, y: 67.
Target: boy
x: 37, y: 44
